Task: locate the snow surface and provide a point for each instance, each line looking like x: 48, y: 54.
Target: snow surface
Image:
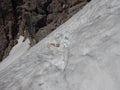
x: 81, y: 54
x: 18, y: 50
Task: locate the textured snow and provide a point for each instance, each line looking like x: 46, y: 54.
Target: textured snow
x: 23, y: 46
x: 18, y: 50
x: 81, y: 54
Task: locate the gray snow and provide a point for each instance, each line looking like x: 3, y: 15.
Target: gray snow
x: 81, y: 54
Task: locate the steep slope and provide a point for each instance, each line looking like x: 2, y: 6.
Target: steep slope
x: 18, y: 50
x: 34, y: 19
x: 81, y: 54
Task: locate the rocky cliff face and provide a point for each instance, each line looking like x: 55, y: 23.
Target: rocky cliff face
x: 34, y: 19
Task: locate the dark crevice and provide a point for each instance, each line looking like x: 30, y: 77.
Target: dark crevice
x: 88, y: 0
x: 14, y: 5
x: 41, y: 23
x: 3, y: 13
x: 46, y: 6
x: 15, y: 13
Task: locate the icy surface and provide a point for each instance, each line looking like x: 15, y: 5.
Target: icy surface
x: 82, y: 54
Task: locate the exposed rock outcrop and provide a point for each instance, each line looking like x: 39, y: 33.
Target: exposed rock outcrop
x: 34, y: 19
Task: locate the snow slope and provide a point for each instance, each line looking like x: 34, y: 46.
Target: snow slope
x: 18, y: 50
x: 82, y: 54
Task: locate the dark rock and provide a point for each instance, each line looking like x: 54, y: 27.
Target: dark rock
x: 34, y: 19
